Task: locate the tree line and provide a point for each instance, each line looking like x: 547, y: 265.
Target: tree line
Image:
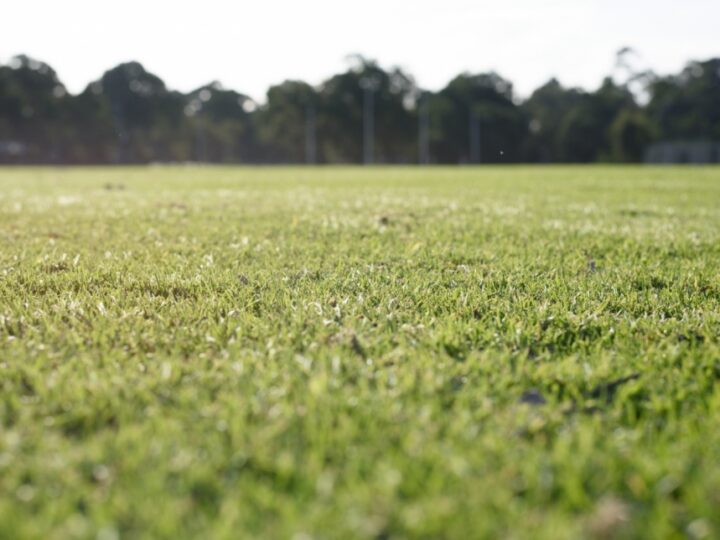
x: 365, y: 114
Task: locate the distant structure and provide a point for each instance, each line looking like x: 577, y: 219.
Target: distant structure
x: 11, y: 150
x: 683, y: 152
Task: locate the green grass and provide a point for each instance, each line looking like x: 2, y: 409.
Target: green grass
x: 192, y: 352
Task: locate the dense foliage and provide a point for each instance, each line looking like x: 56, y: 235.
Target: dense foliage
x: 130, y: 116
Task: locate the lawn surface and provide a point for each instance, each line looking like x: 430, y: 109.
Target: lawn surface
x: 191, y: 352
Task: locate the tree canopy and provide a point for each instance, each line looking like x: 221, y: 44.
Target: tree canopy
x: 366, y: 113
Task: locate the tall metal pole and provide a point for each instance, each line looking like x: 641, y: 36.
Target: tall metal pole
x: 368, y: 125
x: 118, y: 116
x: 474, y: 138
x: 200, y: 143
x: 423, y: 131
x: 310, y: 143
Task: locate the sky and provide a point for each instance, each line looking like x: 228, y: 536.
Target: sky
x: 248, y: 46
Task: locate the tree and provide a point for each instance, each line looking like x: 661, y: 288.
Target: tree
x: 546, y: 110
x: 584, y: 134
x: 630, y: 134
x: 32, y: 100
x: 687, y: 106
x: 222, y: 124
x: 286, y: 124
x: 342, y: 101
x: 475, y: 120
x: 143, y: 112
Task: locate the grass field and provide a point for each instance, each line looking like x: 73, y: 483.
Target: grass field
x: 191, y: 352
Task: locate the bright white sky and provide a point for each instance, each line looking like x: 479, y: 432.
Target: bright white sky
x: 250, y: 45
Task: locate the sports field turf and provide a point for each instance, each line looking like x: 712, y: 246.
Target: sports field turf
x: 302, y: 353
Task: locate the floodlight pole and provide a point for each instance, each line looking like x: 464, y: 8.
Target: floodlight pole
x: 475, y: 155
x: 368, y: 124
x: 200, y: 143
x: 118, y: 116
x: 423, y: 131
x: 310, y: 143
